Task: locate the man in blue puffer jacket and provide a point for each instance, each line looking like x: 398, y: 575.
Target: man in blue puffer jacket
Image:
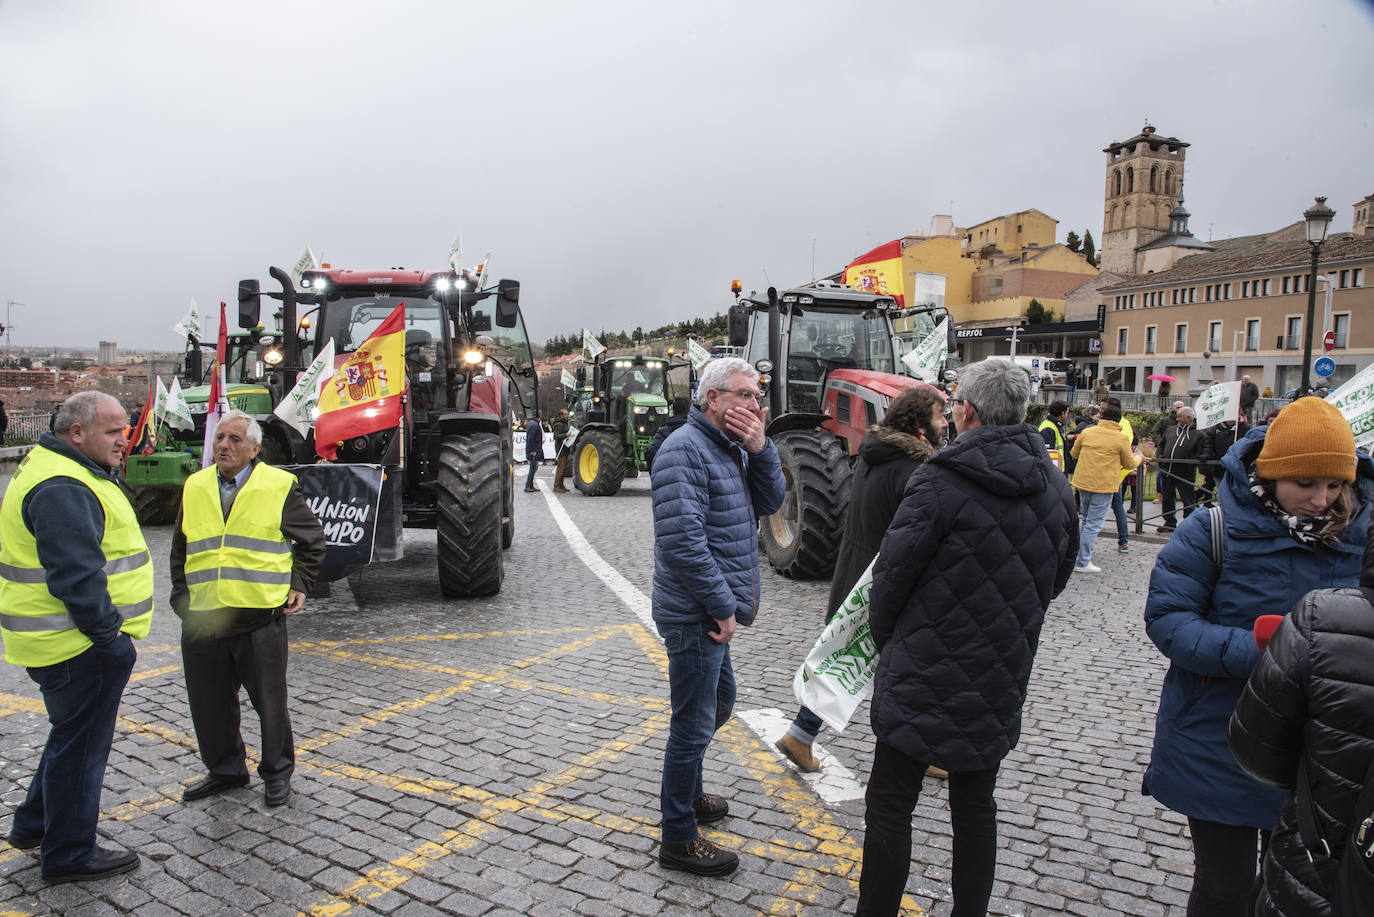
x: 711, y: 480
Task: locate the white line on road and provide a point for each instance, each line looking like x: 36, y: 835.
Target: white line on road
x: 833, y: 783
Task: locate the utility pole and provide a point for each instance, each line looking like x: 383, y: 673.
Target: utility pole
x: 9, y: 342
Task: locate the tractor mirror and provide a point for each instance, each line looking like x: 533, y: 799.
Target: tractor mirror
x: 194, y: 365
x: 738, y: 322
x: 581, y: 376
x: 507, y: 303
x: 250, y: 303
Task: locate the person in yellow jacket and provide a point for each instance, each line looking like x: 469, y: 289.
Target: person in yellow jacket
x: 245, y: 551
x: 76, y: 588
x: 1102, y: 453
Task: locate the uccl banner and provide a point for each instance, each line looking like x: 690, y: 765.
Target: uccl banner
x: 926, y: 361
x: 879, y: 271
x: 1219, y: 403
x: 838, y: 672
x: 345, y: 498
x: 1355, y: 401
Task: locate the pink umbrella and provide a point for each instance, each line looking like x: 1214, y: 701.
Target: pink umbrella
x: 1160, y: 377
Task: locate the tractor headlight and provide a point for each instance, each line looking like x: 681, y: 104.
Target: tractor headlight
x: 661, y: 409
x: 473, y: 357
x: 272, y: 357
x: 641, y: 409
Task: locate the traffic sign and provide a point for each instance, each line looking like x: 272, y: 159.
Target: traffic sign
x: 1324, y: 367
x: 1329, y: 341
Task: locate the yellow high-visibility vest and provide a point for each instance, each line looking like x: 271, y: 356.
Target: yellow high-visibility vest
x: 243, y: 561
x: 35, y: 625
x: 1057, y: 450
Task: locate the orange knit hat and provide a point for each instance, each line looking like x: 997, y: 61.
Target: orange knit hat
x: 1309, y: 439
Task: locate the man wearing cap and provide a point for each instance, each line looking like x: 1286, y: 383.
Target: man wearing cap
x: 245, y: 552
x: 76, y: 584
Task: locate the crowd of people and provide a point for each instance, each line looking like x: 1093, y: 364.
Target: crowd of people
x: 970, y: 542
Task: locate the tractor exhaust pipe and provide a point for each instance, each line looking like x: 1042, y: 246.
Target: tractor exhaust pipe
x: 775, y: 354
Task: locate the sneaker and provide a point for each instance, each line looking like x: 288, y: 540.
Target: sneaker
x: 798, y: 752
x: 1166, y: 528
x: 1087, y: 568
x: 700, y: 857
x: 1123, y: 548
x: 710, y: 809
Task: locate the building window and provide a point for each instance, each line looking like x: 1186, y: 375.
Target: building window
x: 1117, y: 189
x: 1192, y: 294
x: 1168, y: 181
x: 1226, y: 291
x: 1121, y: 341
x: 1154, y: 178
x: 1214, y: 337
x: 1341, y: 325
x: 1150, y: 338
x: 1345, y: 278
x: 995, y: 286
x: 1266, y: 286
x: 1252, y: 332
x: 1293, y: 338
x: 1285, y: 285
x: 1245, y: 289
x: 1181, y: 338
x: 1130, y: 179
x: 1357, y: 277
x: 1208, y: 292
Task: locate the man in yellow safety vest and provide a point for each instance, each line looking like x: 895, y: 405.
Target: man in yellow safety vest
x: 76, y: 584
x: 245, y: 551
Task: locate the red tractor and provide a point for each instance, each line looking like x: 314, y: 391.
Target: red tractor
x: 830, y: 362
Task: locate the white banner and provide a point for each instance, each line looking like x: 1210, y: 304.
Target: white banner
x: 1355, y: 401
x: 929, y: 289
x: 591, y: 347
x: 926, y: 361
x: 178, y: 411
x: 455, y: 252
x: 306, y: 262
x: 569, y: 381
x: 699, y: 355
x: 838, y: 672
x: 190, y: 325
x: 298, y: 407
x: 1217, y: 404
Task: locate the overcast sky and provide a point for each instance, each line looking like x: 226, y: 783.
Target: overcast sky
x: 624, y: 161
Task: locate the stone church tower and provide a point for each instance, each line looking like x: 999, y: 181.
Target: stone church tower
x: 1144, y: 184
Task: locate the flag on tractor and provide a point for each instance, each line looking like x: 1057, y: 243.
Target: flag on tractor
x: 879, y: 271
x: 217, y: 405
x: 366, y: 393
x: 139, y: 435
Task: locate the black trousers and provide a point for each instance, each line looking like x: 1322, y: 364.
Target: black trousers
x: 216, y: 667
x: 1226, y: 880
x: 893, y: 788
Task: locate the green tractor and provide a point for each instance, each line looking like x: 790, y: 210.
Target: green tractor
x: 155, y: 479
x: 614, y: 421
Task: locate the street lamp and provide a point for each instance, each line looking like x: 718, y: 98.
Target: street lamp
x: 1318, y: 218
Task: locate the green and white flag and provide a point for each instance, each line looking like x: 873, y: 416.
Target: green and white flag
x: 838, y: 672
x: 569, y: 380
x: 298, y: 407
x: 190, y: 325
x: 455, y: 252
x: 1355, y: 401
x: 306, y: 262
x: 699, y: 355
x: 177, y: 411
x: 591, y: 347
x: 159, y: 401
x: 926, y: 361
x: 1217, y: 404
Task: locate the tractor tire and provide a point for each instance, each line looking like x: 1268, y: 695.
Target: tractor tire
x: 469, y: 515
x: 598, y: 461
x: 507, y: 488
x: 802, y: 538
x: 156, y: 505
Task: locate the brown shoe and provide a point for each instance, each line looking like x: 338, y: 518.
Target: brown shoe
x: 531, y: 490
x: 940, y: 772
x: 561, y: 490
x: 798, y: 752
x: 710, y: 809
x: 700, y: 857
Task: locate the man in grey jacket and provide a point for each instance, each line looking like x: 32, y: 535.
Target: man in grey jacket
x: 711, y: 481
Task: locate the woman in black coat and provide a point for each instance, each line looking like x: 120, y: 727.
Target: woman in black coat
x: 911, y: 430
x: 1310, y: 699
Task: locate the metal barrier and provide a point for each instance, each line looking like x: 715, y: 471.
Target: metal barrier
x: 25, y: 427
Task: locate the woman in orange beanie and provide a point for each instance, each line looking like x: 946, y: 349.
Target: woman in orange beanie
x: 1295, y: 508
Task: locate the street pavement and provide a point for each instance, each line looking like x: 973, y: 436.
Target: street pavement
x: 501, y: 756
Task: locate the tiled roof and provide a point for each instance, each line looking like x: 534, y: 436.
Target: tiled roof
x: 1249, y: 254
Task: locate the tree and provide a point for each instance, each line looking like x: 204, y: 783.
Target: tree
x: 1073, y: 243
x: 1089, y: 249
x: 1037, y: 314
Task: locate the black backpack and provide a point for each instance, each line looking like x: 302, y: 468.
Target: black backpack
x: 1348, y: 873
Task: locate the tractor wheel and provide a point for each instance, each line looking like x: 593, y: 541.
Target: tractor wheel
x: 507, y: 488
x: 156, y: 505
x: 469, y: 515
x: 803, y: 536
x: 598, y: 464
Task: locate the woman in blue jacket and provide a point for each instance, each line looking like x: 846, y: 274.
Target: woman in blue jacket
x: 1295, y: 506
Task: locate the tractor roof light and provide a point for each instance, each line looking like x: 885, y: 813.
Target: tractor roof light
x: 473, y: 357
x: 272, y: 357
x: 442, y: 284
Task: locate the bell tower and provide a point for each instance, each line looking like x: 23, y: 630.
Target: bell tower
x: 1144, y: 184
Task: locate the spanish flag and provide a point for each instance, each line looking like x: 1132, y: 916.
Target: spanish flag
x: 879, y: 271
x: 365, y: 393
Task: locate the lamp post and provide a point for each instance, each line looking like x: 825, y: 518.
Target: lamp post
x: 1318, y: 218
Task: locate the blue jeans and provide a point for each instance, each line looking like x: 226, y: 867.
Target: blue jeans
x: 534, y: 466
x: 1119, y: 508
x: 701, y: 686
x: 806, y: 726
x: 82, y: 696
x: 1095, y: 508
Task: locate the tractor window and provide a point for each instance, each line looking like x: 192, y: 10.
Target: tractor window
x: 627, y: 377
x: 349, y: 320
x: 821, y: 340
x: 510, y: 346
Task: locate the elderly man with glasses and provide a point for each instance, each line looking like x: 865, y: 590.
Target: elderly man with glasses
x: 711, y: 481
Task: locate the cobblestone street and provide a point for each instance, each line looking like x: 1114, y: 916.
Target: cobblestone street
x: 502, y: 756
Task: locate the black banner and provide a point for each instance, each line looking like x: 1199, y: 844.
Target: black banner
x: 345, y: 498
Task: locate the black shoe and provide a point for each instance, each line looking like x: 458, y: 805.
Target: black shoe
x: 278, y: 791
x: 104, y: 864
x: 710, y: 809
x: 21, y: 842
x: 700, y: 857
x: 211, y: 785
x: 1166, y: 527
